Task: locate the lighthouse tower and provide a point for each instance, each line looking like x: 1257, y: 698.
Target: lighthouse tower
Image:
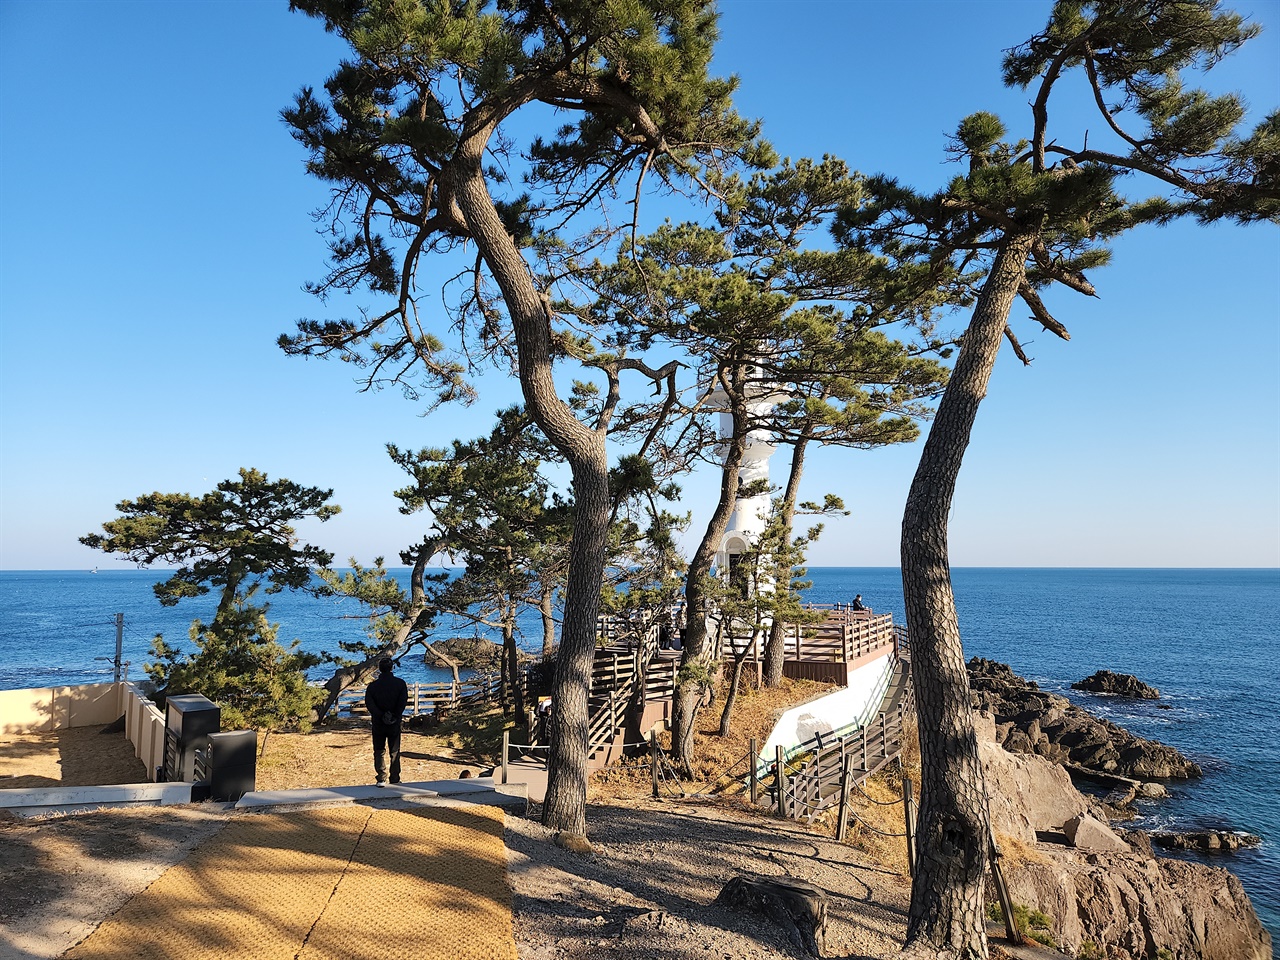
x: 752, y: 512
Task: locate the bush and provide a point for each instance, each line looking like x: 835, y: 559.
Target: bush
x: 1031, y: 923
x: 239, y: 665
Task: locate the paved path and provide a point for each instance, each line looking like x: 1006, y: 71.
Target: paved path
x: 351, y: 882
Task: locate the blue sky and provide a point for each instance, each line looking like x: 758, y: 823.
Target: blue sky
x: 155, y: 236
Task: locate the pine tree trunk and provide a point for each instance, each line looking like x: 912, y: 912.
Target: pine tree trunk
x: 953, y: 831
x: 695, y: 654
x: 548, y: 622
x: 565, y: 806
x: 735, y: 681
x: 775, y: 648
x: 512, y: 656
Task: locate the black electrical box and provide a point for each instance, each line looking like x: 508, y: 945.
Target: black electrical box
x: 233, y: 764
x: 189, y: 720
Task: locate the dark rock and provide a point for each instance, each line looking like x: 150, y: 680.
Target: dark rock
x: 1119, y: 684
x: 799, y: 907
x: 1205, y: 841
x: 1024, y: 713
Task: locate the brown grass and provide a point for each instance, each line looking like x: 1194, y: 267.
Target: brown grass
x: 719, y: 762
x: 340, y: 753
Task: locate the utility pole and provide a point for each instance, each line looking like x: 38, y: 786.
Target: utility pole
x: 119, y: 645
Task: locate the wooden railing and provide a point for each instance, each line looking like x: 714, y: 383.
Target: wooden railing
x: 424, y: 697
x: 812, y: 779
x: 845, y: 636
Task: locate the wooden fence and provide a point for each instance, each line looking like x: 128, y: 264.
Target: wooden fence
x: 812, y: 779
x: 845, y: 636
x: 425, y: 697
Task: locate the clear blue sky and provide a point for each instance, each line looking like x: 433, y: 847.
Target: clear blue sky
x: 154, y: 238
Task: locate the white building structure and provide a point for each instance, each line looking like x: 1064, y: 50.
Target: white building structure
x: 752, y: 512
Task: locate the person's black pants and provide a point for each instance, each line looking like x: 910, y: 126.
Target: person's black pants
x: 386, y: 739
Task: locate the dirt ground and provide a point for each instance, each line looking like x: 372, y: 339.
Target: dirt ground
x: 78, y: 757
x: 647, y: 890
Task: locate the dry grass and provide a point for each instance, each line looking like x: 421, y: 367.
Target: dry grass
x: 75, y: 757
x: 340, y: 753
x: 719, y: 763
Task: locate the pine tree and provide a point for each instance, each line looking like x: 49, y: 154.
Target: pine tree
x: 781, y: 335
x: 1028, y: 224
x: 238, y: 538
x: 417, y: 134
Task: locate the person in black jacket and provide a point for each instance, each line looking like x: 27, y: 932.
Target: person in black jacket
x: 385, y: 700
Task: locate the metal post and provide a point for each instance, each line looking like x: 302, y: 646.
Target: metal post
x: 506, y: 745
x: 653, y: 761
x: 842, y: 824
x: 1006, y: 904
x: 119, y: 646
x: 753, y: 781
x: 909, y: 819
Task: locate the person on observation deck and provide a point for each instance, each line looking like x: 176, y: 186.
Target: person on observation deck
x: 858, y: 604
x: 385, y: 700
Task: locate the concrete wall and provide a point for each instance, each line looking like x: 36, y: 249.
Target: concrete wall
x: 144, y: 726
x: 45, y: 709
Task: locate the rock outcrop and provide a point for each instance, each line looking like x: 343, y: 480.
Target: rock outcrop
x: 474, y: 653
x: 1125, y: 902
x: 1117, y: 684
x: 1030, y: 720
x: 1205, y: 841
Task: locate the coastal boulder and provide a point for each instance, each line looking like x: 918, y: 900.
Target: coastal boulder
x: 1117, y: 684
x: 1027, y: 795
x: 1089, y: 833
x: 1123, y: 901
x: 1031, y: 720
x: 1206, y: 841
x: 1132, y: 905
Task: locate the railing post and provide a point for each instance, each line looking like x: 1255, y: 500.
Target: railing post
x: 780, y: 778
x: 884, y: 738
x: 842, y: 824
x: 506, y: 745
x: 909, y: 820
x: 653, y: 761
x: 1006, y: 903
x: 864, y: 747
x: 753, y: 782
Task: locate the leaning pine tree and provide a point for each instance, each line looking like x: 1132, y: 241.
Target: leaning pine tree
x: 418, y: 134
x: 1036, y: 223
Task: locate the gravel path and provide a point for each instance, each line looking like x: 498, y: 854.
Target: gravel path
x: 646, y: 893
x: 648, y: 890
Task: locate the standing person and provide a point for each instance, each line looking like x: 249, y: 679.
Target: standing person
x: 857, y: 603
x: 385, y: 700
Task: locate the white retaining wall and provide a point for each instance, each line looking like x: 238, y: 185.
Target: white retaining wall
x: 46, y: 709
x: 844, y: 710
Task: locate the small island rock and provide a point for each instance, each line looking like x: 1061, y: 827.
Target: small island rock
x: 1206, y: 841
x: 1117, y: 684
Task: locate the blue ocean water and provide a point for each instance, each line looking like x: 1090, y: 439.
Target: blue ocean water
x: 1206, y: 638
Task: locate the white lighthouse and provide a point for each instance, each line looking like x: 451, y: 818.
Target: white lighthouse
x: 752, y: 512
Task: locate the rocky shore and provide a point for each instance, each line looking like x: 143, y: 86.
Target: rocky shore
x: 1117, y: 684
x: 1031, y: 720
x: 1107, y: 890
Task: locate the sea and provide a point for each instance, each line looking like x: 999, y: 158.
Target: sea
x: 1208, y: 639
